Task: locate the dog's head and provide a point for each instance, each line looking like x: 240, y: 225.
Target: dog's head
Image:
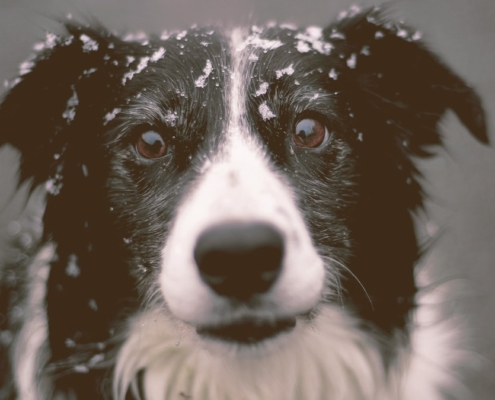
x: 232, y: 183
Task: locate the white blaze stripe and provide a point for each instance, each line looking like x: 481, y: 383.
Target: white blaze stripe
x: 239, y: 184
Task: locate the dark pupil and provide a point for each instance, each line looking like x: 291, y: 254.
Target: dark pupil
x: 153, y: 141
x: 305, y: 129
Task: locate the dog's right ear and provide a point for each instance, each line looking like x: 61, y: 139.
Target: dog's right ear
x: 41, y: 106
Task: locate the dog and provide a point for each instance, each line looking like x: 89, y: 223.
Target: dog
x: 229, y: 214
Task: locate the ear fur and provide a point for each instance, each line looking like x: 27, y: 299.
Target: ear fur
x: 38, y: 114
x: 396, y: 92
x: 395, y: 74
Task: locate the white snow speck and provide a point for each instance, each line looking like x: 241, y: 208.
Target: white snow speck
x: 157, y: 55
x: 110, y: 115
x: 402, y: 33
x: 49, y: 43
x: 365, y: 50
x: 286, y: 71
x: 92, y: 304
x: 379, y: 34
x: 351, y: 61
x: 14, y: 82
x: 312, y: 37
x: 302, y: 47
x: 342, y: 15
x: 140, y: 36
x: 263, y: 89
x: 68, y: 40
x: 72, y: 269
x: 257, y: 42
x: 201, y: 81
x: 253, y: 57
x: 170, y: 118
x: 291, y: 27
x: 70, y: 108
x: 97, y: 358
x: 130, y: 60
x: 143, y: 63
x: 84, y: 170
x: 333, y: 74
x: 296, y: 82
x: 53, y: 186
x: 88, y: 43
x: 81, y: 369
x: 354, y: 9
x: 87, y: 72
x: 265, y: 111
x: 337, y: 35
x: 360, y: 136
x: 417, y: 36
x: 181, y: 35
x: 26, y: 67
x: 164, y: 35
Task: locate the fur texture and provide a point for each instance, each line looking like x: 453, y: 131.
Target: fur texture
x: 114, y: 303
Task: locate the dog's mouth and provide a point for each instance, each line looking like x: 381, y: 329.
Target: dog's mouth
x: 247, y: 331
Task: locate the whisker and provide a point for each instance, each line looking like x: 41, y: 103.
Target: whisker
x: 342, y: 265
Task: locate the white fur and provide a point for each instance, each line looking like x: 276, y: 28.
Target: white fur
x: 238, y: 184
x: 330, y: 359
x: 29, y: 351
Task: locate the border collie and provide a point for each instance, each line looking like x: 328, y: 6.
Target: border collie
x: 229, y: 215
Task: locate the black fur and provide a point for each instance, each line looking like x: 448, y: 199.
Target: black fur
x: 109, y: 210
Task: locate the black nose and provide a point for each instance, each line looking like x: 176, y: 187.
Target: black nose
x: 239, y: 260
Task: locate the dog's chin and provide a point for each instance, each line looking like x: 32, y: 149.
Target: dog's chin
x: 247, y: 331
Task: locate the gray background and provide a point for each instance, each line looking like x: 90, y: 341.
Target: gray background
x: 460, y: 181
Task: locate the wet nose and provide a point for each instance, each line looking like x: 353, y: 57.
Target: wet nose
x: 239, y: 260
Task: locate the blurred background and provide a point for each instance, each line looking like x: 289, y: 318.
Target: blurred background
x: 460, y: 182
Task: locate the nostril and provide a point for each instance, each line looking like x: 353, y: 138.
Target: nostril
x: 240, y: 259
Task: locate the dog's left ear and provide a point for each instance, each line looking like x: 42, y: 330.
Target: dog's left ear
x: 398, y: 86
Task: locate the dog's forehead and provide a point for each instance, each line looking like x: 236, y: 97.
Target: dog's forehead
x: 257, y: 53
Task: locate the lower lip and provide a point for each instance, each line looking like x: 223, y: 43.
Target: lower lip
x: 247, y: 332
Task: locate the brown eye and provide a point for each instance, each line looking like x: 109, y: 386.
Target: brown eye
x: 310, y: 133
x: 150, y: 144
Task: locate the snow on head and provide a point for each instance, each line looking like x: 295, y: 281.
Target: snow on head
x: 110, y: 115
x: 49, y: 43
x: 88, y: 43
x: 157, y: 55
x: 351, y: 61
x: 170, y: 118
x: 143, y: 63
x: 312, y: 39
x: 265, y: 111
x: 286, y: 71
x: 263, y: 89
x: 256, y: 41
x: 70, y: 109
x: 201, y: 81
x: 26, y: 67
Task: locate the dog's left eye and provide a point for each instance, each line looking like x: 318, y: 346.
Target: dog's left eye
x: 310, y: 133
x: 151, y: 144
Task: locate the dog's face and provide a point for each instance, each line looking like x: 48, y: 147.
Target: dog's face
x: 231, y: 187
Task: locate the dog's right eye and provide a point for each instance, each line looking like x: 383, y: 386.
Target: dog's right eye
x: 151, y: 144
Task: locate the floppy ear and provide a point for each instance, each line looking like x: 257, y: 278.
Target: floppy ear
x: 42, y: 106
x: 396, y: 91
x: 400, y: 87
